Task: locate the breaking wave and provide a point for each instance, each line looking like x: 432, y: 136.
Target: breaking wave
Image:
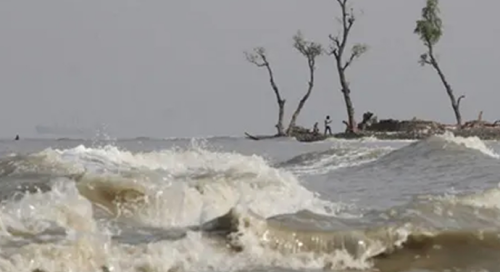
x: 322, y: 162
x: 82, y: 209
x: 441, y: 234
x: 451, y: 152
x: 65, y: 204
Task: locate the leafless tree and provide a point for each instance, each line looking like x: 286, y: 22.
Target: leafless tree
x: 311, y: 51
x: 337, y: 49
x: 259, y: 58
x: 308, y: 49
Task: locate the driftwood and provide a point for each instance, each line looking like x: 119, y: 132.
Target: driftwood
x: 261, y: 137
x: 301, y: 134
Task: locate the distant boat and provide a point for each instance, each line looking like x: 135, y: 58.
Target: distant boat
x: 57, y: 130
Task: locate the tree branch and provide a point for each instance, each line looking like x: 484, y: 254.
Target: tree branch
x: 335, y: 39
x: 347, y: 22
x: 259, y: 58
x: 339, y: 42
x: 356, y: 52
x: 459, y: 100
x: 424, y: 59
x: 347, y: 63
x: 311, y: 51
x: 342, y: 3
x: 347, y: 127
x: 334, y: 48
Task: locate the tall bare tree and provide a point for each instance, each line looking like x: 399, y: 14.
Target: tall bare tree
x: 337, y: 49
x: 311, y: 51
x: 308, y: 49
x: 430, y: 29
x: 259, y: 58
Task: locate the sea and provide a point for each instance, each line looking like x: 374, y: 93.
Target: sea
x: 228, y: 204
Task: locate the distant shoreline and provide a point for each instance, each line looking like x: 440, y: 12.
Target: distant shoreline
x: 490, y: 134
x: 483, y: 133
x: 392, y: 129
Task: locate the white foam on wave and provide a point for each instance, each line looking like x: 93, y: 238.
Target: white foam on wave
x: 183, y: 187
x: 345, y: 157
x: 197, y: 184
x: 469, y: 142
x: 488, y: 199
x: 32, y: 213
x: 371, y: 139
x: 255, y: 238
x: 39, y: 221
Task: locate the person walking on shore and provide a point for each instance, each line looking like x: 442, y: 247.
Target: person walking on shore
x: 327, y: 125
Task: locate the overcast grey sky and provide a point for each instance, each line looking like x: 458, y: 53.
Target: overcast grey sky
x: 176, y: 68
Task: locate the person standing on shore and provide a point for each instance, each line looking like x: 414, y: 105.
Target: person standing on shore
x: 327, y: 125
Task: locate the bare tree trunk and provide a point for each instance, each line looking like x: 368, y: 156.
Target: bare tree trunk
x: 311, y: 51
x: 259, y: 58
x: 279, y: 100
x: 347, y: 98
x: 302, y: 101
x: 455, y: 103
x: 281, y: 114
x: 338, y: 50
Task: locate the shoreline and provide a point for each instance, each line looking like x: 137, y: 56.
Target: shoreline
x: 488, y: 133
x: 483, y: 133
x: 393, y: 129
